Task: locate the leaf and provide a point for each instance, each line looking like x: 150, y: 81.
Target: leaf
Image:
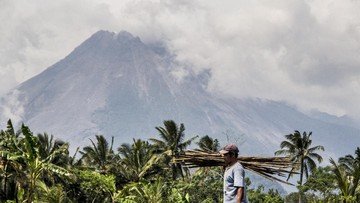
x: 30, y: 143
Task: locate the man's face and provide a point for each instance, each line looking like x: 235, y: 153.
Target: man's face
x: 227, y: 158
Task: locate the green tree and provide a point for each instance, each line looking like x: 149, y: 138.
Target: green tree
x: 99, y: 154
x: 351, y: 163
x: 47, y: 146
x: 172, y: 139
x: 347, y: 174
x: 202, y: 187
x: 96, y: 187
x: 322, y: 180
x: 259, y: 196
x: 145, y: 192
x: 138, y: 160
x: 298, y: 148
x: 209, y: 144
x: 212, y: 145
x: 273, y: 196
x: 37, y: 165
x: 11, y: 171
x: 27, y: 155
x: 293, y: 198
x: 53, y: 194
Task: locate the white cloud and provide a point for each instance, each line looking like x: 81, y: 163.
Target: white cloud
x: 12, y: 108
x: 37, y: 34
x: 302, y: 52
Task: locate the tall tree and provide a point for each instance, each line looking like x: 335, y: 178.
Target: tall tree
x: 99, y: 154
x: 11, y: 170
x: 348, y: 174
x: 322, y: 182
x: 346, y: 182
x: 351, y: 162
x: 212, y: 145
x: 298, y: 148
x: 209, y: 144
x: 138, y: 160
x: 27, y: 155
x: 47, y: 145
x: 172, y: 139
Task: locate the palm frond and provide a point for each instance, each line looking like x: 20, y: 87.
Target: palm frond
x: 316, y: 156
x: 268, y: 167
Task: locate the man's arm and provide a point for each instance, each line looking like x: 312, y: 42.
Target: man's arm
x: 240, y: 194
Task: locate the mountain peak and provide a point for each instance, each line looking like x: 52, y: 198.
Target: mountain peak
x: 106, y: 36
x: 124, y: 35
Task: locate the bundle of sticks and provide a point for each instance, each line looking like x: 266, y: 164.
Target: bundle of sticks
x: 268, y: 167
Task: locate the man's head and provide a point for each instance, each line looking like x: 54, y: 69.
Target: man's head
x: 229, y: 148
x: 230, y: 153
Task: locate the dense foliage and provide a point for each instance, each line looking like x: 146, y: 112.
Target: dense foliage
x: 38, y: 168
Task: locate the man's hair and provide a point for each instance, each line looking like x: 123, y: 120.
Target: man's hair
x: 234, y: 153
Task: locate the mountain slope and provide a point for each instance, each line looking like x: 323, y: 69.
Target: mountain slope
x: 115, y: 85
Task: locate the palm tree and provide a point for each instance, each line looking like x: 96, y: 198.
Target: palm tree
x: 299, y: 149
x: 350, y: 166
x: 20, y: 154
x: 37, y: 165
x: 212, y: 145
x: 47, y: 146
x: 172, y: 139
x: 209, y: 144
x: 11, y: 171
x: 350, y: 162
x: 26, y: 156
x: 346, y: 182
x: 99, y: 154
x: 138, y: 160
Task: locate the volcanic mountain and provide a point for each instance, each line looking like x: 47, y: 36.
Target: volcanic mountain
x: 115, y: 85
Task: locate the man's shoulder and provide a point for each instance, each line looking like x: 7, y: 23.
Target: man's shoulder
x: 238, y: 164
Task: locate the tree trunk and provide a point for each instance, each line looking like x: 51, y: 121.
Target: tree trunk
x: 301, y: 178
x: 31, y: 189
x: 6, y: 180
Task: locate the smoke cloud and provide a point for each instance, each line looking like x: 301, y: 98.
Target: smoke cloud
x: 301, y: 52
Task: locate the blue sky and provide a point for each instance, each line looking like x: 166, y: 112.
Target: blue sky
x: 305, y: 53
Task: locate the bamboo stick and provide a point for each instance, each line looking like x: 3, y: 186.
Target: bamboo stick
x: 268, y: 167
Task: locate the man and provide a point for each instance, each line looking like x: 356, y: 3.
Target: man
x: 234, y: 176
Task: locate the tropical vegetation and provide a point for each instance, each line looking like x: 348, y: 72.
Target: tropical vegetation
x: 38, y: 169
x: 298, y: 148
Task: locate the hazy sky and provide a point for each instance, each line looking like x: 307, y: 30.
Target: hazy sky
x: 306, y: 53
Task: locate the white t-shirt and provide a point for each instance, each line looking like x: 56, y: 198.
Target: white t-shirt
x: 234, y: 177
